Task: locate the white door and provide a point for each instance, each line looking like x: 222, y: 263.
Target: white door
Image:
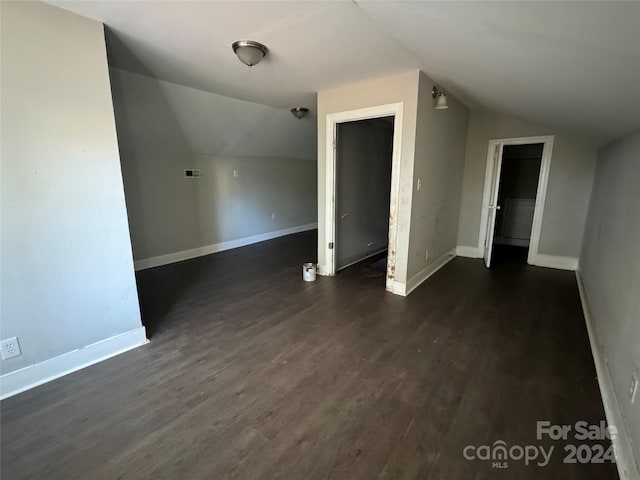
x: 493, y: 204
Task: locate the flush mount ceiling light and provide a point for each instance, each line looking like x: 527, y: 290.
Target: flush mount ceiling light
x: 249, y: 52
x: 299, y: 112
x: 441, y: 99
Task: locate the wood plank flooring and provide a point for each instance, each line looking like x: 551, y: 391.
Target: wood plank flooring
x: 253, y: 374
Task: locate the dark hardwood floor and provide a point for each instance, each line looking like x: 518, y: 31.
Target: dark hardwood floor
x: 252, y: 373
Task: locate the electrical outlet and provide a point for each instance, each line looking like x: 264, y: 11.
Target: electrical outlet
x: 426, y: 256
x: 10, y: 348
x: 419, y: 184
x: 633, y: 388
x: 235, y: 173
x: 273, y: 216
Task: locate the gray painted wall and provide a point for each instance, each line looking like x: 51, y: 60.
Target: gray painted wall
x: 363, y: 187
x: 568, y: 190
x: 67, y: 270
x: 164, y: 128
x: 610, y: 268
x: 439, y: 164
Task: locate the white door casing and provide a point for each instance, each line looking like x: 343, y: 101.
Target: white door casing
x: 491, y: 185
x: 392, y: 109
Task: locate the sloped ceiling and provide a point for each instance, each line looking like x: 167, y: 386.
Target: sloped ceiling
x: 569, y: 65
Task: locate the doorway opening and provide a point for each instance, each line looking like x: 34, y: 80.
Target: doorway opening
x: 364, y: 159
x: 515, y: 190
x: 360, y: 213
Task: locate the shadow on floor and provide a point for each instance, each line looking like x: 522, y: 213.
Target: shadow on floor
x: 509, y: 254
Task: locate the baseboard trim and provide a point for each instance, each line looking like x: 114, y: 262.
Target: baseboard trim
x: 540, y: 260
x: 553, y: 261
x: 625, y: 460
x: 29, y: 377
x: 218, y: 247
x: 396, y: 287
x: 404, y: 289
x: 368, y: 255
x: 323, y: 270
x: 468, y: 252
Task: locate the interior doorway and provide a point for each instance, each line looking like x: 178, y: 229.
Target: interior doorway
x: 515, y: 190
x: 386, y: 210
x: 364, y: 151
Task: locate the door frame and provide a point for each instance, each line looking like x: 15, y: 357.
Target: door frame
x: 494, y: 164
x: 332, y: 120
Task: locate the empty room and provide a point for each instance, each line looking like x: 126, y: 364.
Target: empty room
x: 319, y: 240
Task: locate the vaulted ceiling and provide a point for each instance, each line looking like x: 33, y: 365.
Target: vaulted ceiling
x: 568, y: 65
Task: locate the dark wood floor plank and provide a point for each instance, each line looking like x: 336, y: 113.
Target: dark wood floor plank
x: 252, y: 373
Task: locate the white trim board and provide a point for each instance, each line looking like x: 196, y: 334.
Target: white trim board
x: 468, y: 252
x: 625, y: 460
x: 218, y: 247
x: 29, y: 377
x: 414, y: 282
x: 492, y: 177
x: 553, y: 261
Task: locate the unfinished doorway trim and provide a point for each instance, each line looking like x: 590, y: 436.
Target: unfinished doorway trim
x: 491, y: 183
x: 332, y: 121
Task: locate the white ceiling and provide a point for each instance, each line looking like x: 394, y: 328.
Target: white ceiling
x: 570, y: 65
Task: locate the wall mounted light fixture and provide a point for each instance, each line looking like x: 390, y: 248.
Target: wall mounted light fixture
x: 440, y: 98
x: 299, y: 112
x: 249, y: 52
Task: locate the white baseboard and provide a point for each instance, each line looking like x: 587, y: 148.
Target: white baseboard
x: 397, y: 287
x: 625, y: 460
x: 540, y: 260
x: 322, y: 270
x: 218, y: 247
x: 369, y: 255
x: 29, y: 377
x: 553, y: 261
x: 404, y: 289
x: 469, y: 252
